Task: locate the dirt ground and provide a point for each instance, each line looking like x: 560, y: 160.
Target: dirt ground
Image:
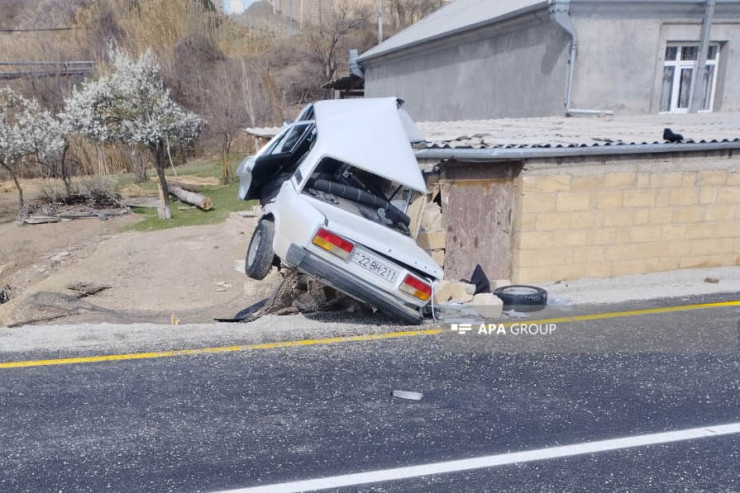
x: 187, y: 273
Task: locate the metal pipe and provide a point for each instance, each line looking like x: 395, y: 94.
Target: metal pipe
x: 701, y: 64
x: 560, y: 13
x: 502, y: 154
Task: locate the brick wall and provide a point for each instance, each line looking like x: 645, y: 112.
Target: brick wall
x: 626, y: 216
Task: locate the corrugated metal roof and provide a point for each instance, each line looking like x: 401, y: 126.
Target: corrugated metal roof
x: 578, y: 131
x: 535, y: 137
x: 458, y: 16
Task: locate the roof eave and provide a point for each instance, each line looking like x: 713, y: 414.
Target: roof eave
x: 493, y: 155
x: 470, y: 27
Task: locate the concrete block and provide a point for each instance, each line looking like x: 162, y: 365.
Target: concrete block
x: 461, y: 292
x: 500, y: 283
x: 688, y: 214
x: 574, y: 202
x: 683, y: 196
x: 443, y: 292
x: 439, y: 257
x: 529, y: 240
x: 431, y: 240
x: 661, y: 215
x: 640, y: 198
x: 608, y: 200
x: 587, y: 183
x: 707, y: 195
x: 621, y: 180
x: 487, y: 305
x: 604, y: 236
x: 643, y: 180
x: 666, y: 180
x: 528, y: 275
x: 712, y: 177
x: 718, y: 212
x: 432, y: 218
x: 622, y: 217
x: 553, y: 221
x: 729, y: 195
x: 557, y: 183
x: 538, y: 203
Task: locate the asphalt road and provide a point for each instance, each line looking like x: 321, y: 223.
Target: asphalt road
x: 211, y: 422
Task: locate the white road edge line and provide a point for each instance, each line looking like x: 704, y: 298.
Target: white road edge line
x: 493, y: 460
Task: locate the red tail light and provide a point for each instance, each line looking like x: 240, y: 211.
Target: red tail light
x: 416, y: 287
x: 333, y: 243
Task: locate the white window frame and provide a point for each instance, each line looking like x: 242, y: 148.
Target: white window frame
x: 679, y: 65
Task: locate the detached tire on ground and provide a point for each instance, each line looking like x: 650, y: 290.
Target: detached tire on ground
x: 522, y: 298
x: 259, y: 253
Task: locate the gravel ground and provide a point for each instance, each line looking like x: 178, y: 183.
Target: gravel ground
x: 672, y: 284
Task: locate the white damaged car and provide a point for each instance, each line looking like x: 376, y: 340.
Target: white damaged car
x: 335, y: 186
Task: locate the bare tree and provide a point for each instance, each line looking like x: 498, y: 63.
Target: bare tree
x: 325, y: 41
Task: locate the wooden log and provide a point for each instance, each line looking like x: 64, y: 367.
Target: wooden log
x: 184, y: 186
x: 200, y: 201
x: 41, y: 220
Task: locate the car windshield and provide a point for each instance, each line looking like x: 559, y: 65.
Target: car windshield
x: 362, y: 193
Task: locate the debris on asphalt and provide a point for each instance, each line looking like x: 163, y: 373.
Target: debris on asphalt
x: 712, y: 280
x: 461, y: 292
x: 560, y: 303
x: 487, y: 305
x: 408, y: 395
x: 515, y: 314
x: 174, y: 320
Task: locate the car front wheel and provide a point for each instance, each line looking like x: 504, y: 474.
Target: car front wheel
x: 259, y: 253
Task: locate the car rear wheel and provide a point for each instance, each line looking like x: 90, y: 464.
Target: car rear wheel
x: 259, y: 253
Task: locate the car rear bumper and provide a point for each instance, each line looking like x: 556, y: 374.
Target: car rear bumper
x: 323, y: 270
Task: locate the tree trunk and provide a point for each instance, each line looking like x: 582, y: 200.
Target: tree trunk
x: 164, y: 211
x: 139, y: 165
x: 227, y: 176
x: 65, y: 176
x: 17, y: 184
x: 200, y: 201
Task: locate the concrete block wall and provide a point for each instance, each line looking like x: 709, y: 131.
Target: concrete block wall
x: 626, y: 216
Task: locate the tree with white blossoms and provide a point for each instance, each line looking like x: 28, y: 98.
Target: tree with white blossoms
x: 25, y: 130
x: 131, y: 105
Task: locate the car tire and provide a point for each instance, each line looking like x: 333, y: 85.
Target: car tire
x: 260, y: 254
x: 522, y: 298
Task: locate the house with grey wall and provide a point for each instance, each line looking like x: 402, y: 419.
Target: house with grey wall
x: 482, y: 59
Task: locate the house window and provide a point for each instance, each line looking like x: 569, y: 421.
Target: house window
x: 678, y: 70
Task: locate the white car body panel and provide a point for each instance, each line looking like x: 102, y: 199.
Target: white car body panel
x: 372, y: 135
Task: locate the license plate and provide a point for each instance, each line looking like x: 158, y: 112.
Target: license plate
x: 374, y: 265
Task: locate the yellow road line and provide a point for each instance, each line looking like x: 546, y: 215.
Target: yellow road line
x: 631, y: 313
x: 224, y: 349
x: 357, y: 338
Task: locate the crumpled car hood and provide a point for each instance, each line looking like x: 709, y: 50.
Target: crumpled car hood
x: 371, y: 135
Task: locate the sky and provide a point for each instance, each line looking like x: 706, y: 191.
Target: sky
x: 235, y: 7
